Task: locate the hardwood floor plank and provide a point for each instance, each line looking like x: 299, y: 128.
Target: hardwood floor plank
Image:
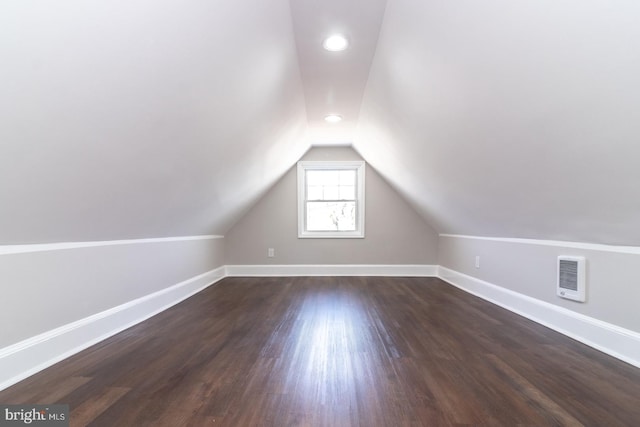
x: 338, y: 351
x: 534, y: 397
x: 47, y: 393
x: 96, y: 404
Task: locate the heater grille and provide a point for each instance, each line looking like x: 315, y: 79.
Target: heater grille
x: 568, y: 275
x: 571, y: 278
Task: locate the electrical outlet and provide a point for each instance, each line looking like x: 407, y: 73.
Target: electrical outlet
x: 477, y: 261
x: 271, y: 252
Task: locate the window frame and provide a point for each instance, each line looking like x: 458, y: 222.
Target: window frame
x: 359, y: 167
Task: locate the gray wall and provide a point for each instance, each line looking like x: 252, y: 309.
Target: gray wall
x: 44, y: 290
x: 394, y: 232
x: 613, y: 289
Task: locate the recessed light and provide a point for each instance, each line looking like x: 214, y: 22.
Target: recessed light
x: 335, y: 43
x: 333, y: 118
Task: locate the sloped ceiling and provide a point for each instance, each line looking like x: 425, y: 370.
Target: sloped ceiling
x: 510, y: 119
x: 165, y: 118
x: 147, y: 118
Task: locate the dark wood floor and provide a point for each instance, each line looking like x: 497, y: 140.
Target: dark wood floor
x: 338, y: 351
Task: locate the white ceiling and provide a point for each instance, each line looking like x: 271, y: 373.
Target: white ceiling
x: 159, y: 118
x: 334, y: 82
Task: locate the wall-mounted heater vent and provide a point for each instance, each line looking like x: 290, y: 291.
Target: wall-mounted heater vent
x: 571, y: 278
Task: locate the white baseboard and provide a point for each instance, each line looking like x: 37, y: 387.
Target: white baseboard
x: 613, y: 340
x: 23, y: 359
x: 409, y: 270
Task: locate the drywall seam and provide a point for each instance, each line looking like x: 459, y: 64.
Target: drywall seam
x: 415, y: 270
x: 23, y: 359
x: 613, y: 340
x: 41, y: 247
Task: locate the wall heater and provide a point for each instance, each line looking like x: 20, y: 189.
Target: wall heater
x: 571, y: 278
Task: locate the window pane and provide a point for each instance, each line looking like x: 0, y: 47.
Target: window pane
x: 348, y: 193
x: 331, y: 184
x: 330, y: 177
x: 331, y: 216
x: 314, y: 192
x: 331, y: 193
x: 315, y: 177
x: 347, y: 177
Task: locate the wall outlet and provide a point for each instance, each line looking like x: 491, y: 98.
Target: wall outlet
x: 271, y: 252
x: 477, y: 261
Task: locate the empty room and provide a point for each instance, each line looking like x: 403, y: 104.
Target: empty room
x: 320, y: 213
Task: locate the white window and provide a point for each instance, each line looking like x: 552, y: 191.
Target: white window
x: 331, y: 199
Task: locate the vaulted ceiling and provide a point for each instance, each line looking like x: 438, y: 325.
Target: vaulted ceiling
x: 164, y: 118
